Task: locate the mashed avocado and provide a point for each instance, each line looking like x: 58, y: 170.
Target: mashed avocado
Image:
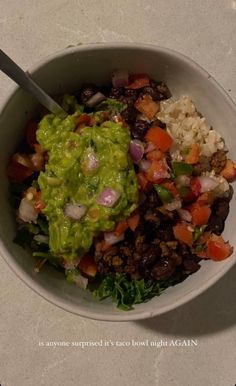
x: 70, y: 177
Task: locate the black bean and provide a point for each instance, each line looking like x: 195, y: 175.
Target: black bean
x: 215, y: 224
x: 150, y: 256
x: 129, y: 114
x: 159, y: 123
x: 116, y: 92
x: 190, y: 266
x: 163, y: 269
x: 87, y: 91
x: 221, y: 208
x: 150, y: 232
x: 164, y: 90
x: 130, y: 93
x: 153, y: 92
x: 161, y: 88
x: 165, y: 232
x: 184, y: 251
x: 229, y: 194
x: 140, y: 129
x: 127, y: 101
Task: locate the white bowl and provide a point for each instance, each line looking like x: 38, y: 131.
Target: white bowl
x: 65, y: 72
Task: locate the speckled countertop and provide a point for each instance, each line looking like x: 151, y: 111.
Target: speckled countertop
x: 205, y: 31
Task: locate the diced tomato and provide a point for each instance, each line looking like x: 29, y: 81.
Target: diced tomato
x: 83, y: 118
x: 159, y: 137
x: 133, y: 221
x: 101, y: 245
x: 146, y: 105
x: 157, y: 171
x: 229, y: 171
x: 39, y: 205
x: 195, y: 186
x: 171, y: 187
x: 38, y: 148
x: 144, y: 184
x: 121, y: 228
x: 218, y: 249
x: 16, y: 172
x: 88, y: 266
x: 200, y: 214
x: 206, y: 198
x: 137, y: 81
x: 105, y: 115
x: 183, y: 233
x: 31, y: 133
x: 154, y: 155
x: 202, y: 254
x: 82, y: 121
x: 193, y: 155
x: 104, y: 246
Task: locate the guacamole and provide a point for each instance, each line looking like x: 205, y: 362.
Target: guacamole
x: 80, y: 167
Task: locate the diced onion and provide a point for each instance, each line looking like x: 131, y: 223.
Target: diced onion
x: 144, y: 165
x: 27, y: 212
x: 136, y: 150
x: 116, y: 118
x: 95, y: 99
x: 53, y: 181
x: 92, y: 161
x: 75, y: 211
x: 158, y: 174
x: 81, y: 281
x: 182, y: 181
x: 71, y: 264
x: 208, y: 183
x: 111, y: 238
x: 120, y: 78
x: 185, y: 215
x: 108, y: 197
x: 149, y: 147
x: 173, y: 205
x: 41, y: 239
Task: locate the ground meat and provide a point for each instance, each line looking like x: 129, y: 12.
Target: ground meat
x: 117, y: 261
x: 176, y: 258
x: 150, y: 256
x: 218, y: 161
x: 203, y: 165
x: 152, y: 201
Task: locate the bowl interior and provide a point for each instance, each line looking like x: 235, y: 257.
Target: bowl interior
x: 65, y: 72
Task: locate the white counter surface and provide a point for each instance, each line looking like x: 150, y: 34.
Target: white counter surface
x: 205, y: 30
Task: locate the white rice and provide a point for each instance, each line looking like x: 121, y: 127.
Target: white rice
x: 187, y: 127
